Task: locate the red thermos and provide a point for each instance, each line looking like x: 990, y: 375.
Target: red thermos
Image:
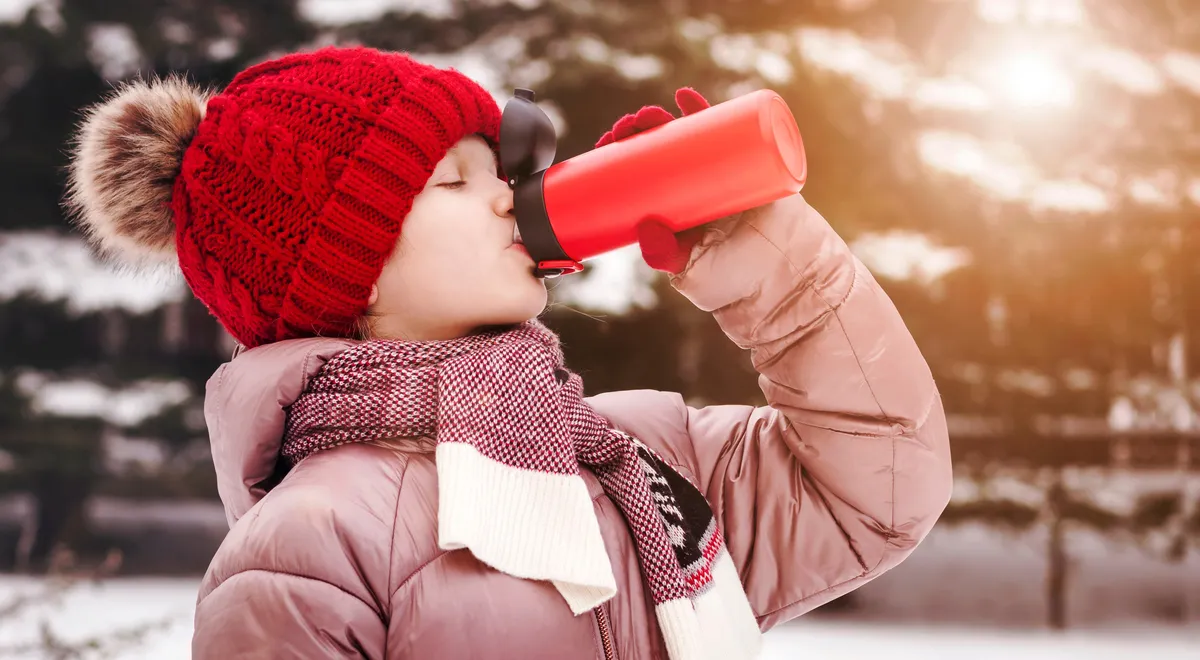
x: 728, y: 158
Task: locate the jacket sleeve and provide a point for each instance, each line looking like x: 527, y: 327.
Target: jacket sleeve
x: 847, y: 468
x: 264, y: 614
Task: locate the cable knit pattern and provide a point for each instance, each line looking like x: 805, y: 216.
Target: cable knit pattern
x: 293, y: 192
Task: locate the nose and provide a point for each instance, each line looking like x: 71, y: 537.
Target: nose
x: 502, y: 203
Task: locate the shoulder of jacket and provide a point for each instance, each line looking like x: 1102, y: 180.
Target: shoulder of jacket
x: 624, y: 408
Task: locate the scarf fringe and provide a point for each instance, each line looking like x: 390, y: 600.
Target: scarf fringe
x: 716, y: 625
x: 530, y: 524
x: 543, y: 526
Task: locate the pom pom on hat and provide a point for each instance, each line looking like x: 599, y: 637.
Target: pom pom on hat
x: 125, y: 157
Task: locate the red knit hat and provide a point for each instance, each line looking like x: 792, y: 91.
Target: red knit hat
x: 286, y: 190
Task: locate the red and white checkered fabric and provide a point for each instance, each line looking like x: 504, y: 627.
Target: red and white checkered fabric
x: 506, y: 394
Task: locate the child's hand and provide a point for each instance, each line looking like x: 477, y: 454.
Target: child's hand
x: 662, y: 248
x: 689, y: 101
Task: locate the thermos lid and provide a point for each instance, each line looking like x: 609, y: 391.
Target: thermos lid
x: 527, y: 139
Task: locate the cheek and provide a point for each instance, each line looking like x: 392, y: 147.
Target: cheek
x: 431, y: 239
x: 450, y: 266
x: 453, y: 254
x: 460, y: 257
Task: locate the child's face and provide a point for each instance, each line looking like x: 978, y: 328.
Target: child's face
x: 456, y: 267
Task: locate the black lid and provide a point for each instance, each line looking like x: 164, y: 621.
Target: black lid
x: 527, y: 139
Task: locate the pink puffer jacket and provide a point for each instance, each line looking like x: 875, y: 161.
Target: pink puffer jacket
x: 831, y: 484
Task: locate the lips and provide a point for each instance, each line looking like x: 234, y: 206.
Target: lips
x: 517, y: 243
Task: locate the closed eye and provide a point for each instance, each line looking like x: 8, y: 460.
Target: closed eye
x: 453, y: 185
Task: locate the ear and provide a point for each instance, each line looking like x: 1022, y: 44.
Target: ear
x: 374, y: 295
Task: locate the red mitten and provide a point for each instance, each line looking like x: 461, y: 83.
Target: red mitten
x: 662, y: 248
x: 689, y: 101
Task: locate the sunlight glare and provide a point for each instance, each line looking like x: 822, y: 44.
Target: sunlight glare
x: 1036, y: 12
x: 1029, y: 79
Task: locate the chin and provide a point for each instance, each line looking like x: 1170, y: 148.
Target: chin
x: 532, y: 306
x: 517, y: 309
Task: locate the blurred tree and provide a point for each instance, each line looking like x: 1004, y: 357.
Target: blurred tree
x: 1060, y: 300
x: 1059, y: 307
x: 60, y: 58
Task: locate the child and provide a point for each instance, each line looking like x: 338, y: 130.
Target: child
x: 409, y: 469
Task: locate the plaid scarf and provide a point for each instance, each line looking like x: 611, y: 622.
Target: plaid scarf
x: 512, y: 430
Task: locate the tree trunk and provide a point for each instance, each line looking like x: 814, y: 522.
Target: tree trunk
x: 60, y: 499
x: 1056, y: 572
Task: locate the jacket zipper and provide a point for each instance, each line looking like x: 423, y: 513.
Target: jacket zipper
x: 605, y: 634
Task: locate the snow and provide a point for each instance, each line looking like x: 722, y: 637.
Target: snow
x: 110, y: 513
x: 998, y: 169
x: 1003, y: 171
x: 950, y: 94
x: 829, y: 641
x: 1116, y: 491
x: 970, y: 574
x: 1125, y: 68
x: 97, y: 610
x: 74, y: 397
x: 765, y: 55
x: 1036, y: 12
x: 1158, y: 404
x: 619, y: 281
x: 53, y: 267
x: 612, y: 283
x: 881, y: 67
x: 113, y: 50
x: 1160, y: 190
x: 1184, y: 69
x: 123, y: 455
x: 969, y: 590
x: 128, y: 603
x: 13, y: 11
x: 339, y: 12
x: 1078, y: 196
x: 1027, y: 381
x: 905, y: 255
x: 1122, y: 415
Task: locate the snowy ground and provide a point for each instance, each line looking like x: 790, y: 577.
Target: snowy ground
x: 969, y: 591
x: 129, y: 603
x: 973, y: 575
